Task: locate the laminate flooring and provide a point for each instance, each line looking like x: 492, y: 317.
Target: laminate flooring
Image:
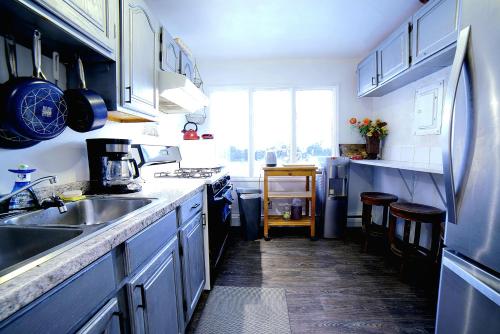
x: 331, y: 286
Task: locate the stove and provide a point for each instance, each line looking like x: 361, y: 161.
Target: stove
x: 190, y: 173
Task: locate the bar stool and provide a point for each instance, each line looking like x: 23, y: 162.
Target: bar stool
x: 420, y: 214
x: 378, y: 199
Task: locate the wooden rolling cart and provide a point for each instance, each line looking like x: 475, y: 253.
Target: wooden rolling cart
x: 309, y: 195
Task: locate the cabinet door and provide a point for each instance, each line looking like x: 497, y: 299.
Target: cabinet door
x: 139, y: 58
x: 367, y: 74
x: 106, y: 321
x: 94, y: 19
x: 193, y: 263
x: 435, y: 26
x: 170, y: 53
x: 394, y: 53
x: 155, y: 294
x: 187, y: 67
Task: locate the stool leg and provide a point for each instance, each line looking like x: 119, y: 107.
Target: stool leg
x: 366, y: 220
x: 391, y: 235
x: 385, y: 236
x: 406, y: 241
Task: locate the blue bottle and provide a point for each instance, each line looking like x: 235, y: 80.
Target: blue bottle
x: 25, y: 199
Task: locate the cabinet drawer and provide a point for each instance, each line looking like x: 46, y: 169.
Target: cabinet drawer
x: 190, y: 207
x: 67, y: 305
x: 145, y: 244
x: 106, y: 320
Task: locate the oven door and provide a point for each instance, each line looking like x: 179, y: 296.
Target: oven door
x: 219, y: 213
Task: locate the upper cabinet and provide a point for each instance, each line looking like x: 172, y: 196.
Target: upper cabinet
x: 139, y: 61
x: 431, y: 32
x: 170, y: 53
x: 367, y: 74
x: 394, y: 53
x: 435, y: 26
x: 186, y: 66
x: 94, y: 19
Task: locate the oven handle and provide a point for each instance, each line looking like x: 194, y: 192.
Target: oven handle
x: 226, y: 195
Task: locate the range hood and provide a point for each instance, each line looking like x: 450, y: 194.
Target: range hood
x: 178, y: 94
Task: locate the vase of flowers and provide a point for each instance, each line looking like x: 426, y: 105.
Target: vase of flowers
x: 373, y: 132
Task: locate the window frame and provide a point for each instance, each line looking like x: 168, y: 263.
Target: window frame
x: 334, y: 126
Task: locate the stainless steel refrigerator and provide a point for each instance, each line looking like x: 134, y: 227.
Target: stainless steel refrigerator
x: 469, y: 291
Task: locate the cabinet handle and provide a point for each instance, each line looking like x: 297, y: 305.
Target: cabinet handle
x: 129, y: 88
x: 143, y: 296
x: 374, y: 81
x: 195, y: 206
x: 204, y: 220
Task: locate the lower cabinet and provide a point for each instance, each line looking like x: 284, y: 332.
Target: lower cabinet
x: 193, y: 262
x: 155, y: 294
x: 106, y: 321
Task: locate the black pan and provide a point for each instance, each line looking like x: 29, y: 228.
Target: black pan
x: 32, y: 106
x: 87, y: 110
x: 8, y: 139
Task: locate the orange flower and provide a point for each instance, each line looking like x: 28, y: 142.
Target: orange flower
x: 353, y: 120
x: 366, y: 121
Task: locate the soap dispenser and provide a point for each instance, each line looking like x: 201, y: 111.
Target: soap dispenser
x: 26, y: 199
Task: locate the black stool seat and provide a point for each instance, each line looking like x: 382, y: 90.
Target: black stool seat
x: 417, y: 212
x: 377, y: 198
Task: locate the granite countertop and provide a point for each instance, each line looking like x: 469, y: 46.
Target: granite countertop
x: 28, y: 286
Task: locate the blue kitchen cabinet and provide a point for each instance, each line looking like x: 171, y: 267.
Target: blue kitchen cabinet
x: 186, y: 66
x: 170, y: 53
x: 155, y: 294
x: 67, y: 307
x: 139, y: 58
x: 106, y: 320
x: 93, y: 22
x: 435, y: 26
x: 367, y: 74
x: 193, y: 262
x: 394, y: 53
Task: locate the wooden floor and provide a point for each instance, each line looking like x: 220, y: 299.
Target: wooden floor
x: 331, y: 286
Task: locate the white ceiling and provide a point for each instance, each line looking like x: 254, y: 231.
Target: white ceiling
x: 250, y: 29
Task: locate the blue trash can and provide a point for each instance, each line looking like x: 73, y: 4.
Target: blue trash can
x: 249, y: 203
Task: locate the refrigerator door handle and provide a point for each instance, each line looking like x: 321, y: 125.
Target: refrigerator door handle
x: 473, y: 281
x: 459, y: 62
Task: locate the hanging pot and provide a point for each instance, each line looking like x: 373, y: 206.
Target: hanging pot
x: 8, y: 139
x: 33, y: 107
x: 87, y: 110
x: 190, y: 134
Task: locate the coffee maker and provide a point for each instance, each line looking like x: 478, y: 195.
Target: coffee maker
x: 112, y: 170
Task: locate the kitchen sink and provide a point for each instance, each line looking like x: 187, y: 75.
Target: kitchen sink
x: 92, y: 211
x: 18, y: 243
x: 28, y: 239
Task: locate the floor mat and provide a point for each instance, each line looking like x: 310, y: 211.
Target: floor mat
x: 239, y: 310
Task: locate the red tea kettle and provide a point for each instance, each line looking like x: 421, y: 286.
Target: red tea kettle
x: 190, y: 134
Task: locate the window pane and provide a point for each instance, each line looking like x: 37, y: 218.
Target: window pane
x: 229, y: 123
x: 314, y: 123
x: 271, y: 126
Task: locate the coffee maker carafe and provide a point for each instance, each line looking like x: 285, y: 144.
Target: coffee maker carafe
x: 112, y: 170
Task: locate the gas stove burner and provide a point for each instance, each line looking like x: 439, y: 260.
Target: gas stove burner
x: 191, y: 173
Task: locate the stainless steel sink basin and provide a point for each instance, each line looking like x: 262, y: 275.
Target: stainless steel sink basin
x: 29, y: 239
x: 90, y: 211
x: 18, y: 244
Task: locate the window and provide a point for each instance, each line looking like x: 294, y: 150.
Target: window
x: 298, y: 124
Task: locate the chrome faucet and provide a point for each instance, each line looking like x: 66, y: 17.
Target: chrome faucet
x: 53, y: 201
